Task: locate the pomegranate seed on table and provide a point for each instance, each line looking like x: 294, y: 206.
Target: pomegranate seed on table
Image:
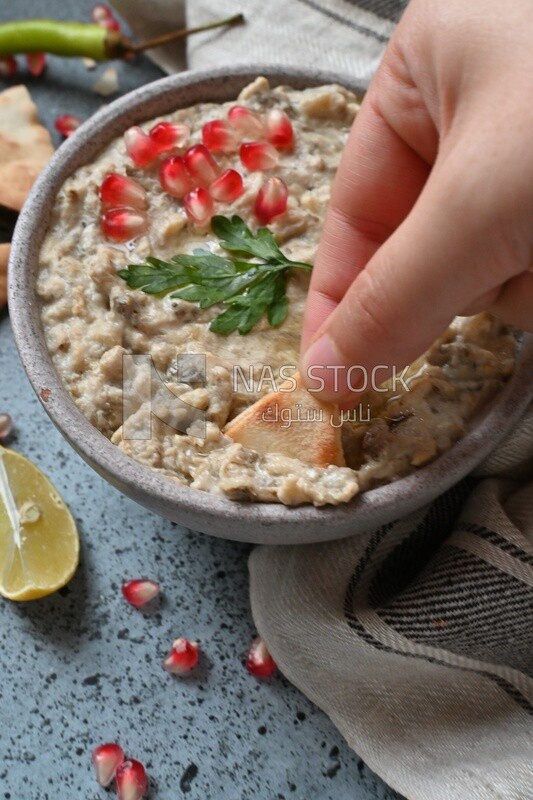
x: 36, y: 63
x: 258, y: 156
x: 131, y: 780
x: 8, y: 67
x: 279, y: 131
x: 106, y: 759
x: 140, y: 147
x: 246, y: 121
x: 66, y: 124
x: 227, y: 187
x: 118, y: 190
x: 139, y: 592
x: 183, y: 656
x: 258, y: 661
x: 201, y: 165
x: 103, y: 16
x: 123, y: 224
x: 168, y: 135
x: 6, y: 426
x: 174, y: 177
x: 198, y: 205
x: 219, y: 137
x: 271, y: 200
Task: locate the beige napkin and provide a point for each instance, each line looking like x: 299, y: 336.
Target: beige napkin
x: 415, y: 639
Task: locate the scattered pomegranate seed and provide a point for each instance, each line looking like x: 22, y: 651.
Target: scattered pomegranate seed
x: 219, y: 137
x: 246, y: 121
x: 6, y: 426
x: 201, y: 165
x: 140, y: 147
x: 131, y: 780
x: 106, y: 759
x: 258, y: 155
x: 103, y: 16
x: 183, y: 657
x: 198, y: 205
x: 227, y: 187
x: 107, y: 84
x: 174, y: 178
x: 8, y: 67
x: 168, y: 135
x: 66, y: 124
x: 140, y: 592
x: 118, y: 190
x: 123, y: 224
x: 279, y: 130
x: 271, y: 200
x: 258, y: 661
x: 36, y: 63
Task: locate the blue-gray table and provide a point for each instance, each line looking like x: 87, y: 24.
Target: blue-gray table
x: 82, y: 667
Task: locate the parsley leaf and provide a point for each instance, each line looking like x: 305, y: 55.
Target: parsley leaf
x: 251, y: 281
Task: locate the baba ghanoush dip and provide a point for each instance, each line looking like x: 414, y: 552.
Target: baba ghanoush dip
x: 160, y: 364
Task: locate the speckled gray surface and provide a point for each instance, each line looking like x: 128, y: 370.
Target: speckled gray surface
x: 82, y: 666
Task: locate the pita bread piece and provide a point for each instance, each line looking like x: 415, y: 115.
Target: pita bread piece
x: 293, y: 422
x: 25, y: 146
x: 4, y: 255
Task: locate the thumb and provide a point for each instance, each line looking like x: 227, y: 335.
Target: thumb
x: 440, y: 260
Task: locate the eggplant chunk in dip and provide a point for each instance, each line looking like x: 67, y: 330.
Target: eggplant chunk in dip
x: 95, y: 324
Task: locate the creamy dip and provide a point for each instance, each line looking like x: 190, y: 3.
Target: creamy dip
x: 92, y: 321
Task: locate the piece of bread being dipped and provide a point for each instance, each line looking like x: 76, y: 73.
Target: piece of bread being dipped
x: 294, y: 422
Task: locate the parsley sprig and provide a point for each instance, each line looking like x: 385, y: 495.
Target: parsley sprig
x: 251, y: 280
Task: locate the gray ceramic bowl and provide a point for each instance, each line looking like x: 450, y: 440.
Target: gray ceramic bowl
x: 265, y: 523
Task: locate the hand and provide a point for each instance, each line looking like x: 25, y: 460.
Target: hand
x: 431, y: 212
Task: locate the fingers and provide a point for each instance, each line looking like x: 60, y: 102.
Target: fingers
x: 514, y: 304
x: 378, y: 181
x: 439, y: 261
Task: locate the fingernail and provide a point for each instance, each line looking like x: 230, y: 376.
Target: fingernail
x: 319, y: 373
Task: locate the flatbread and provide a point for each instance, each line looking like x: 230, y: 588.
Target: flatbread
x: 293, y: 422
x: 25, y: 146
x: 4, y: 255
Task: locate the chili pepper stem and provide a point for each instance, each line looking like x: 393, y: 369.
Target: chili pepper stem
x: 236, y: 19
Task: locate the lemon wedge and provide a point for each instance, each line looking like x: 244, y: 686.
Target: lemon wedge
x: 39, y: 545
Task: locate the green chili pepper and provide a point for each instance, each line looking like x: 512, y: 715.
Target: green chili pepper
x: 60, y: 38
x: 84, y: 39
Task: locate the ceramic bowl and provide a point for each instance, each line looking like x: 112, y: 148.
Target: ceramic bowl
x: 250, y: 522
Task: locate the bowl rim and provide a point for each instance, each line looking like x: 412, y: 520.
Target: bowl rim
x: 218, y: 513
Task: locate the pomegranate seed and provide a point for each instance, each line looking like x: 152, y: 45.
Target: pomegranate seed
x: 118, y: 190
x: 141, y: 148
x: 258, y: 155
x: 66, y: 124
x: 140, y: 592
x: 227, y: 187
x: 271, y: 200
x: 183, y: 657
x: 8, y: 67
x: 168, y: 135
x: 36, y: 63
x: 131, y: 780
x: 201, y: 165
x: 246, y: 121
x: 219, y: 137
x: 103, y: 16
x: 106, y: 759
x: 258, y: 661
x: 6, y: 426
x: 198, y: 206
x: 174, y: 178
x: 279, y: 130
x: 123, y: 224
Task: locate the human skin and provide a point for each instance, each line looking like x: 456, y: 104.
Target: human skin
x: 431, y: 213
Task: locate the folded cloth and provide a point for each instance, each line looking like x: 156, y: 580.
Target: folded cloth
x: 415, y: 639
